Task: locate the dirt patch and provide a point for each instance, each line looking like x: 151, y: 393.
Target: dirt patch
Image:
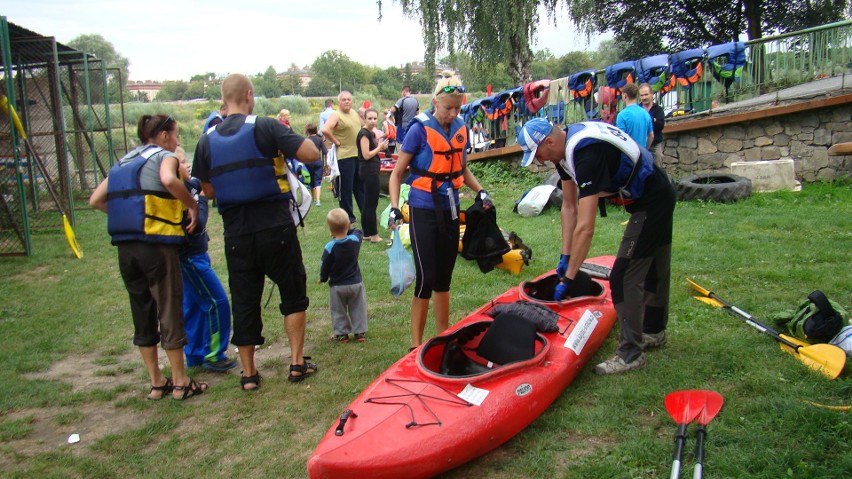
x: 50, y: 427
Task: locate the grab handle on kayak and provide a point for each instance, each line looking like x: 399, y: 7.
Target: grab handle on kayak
x: 343, y: 418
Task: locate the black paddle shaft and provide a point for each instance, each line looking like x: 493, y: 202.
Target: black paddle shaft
x: 680, y: 442
x: 699, y: 444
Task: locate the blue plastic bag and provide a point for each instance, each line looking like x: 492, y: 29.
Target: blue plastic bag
x: 400, y: 266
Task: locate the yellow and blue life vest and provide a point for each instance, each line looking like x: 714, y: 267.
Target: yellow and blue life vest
x: 240, y: 173
x: 136, y: 214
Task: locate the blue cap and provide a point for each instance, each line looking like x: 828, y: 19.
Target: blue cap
x: 530, y: 136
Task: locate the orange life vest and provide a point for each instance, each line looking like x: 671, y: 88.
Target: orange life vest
x: 390, y: 130
x: 444, y: 160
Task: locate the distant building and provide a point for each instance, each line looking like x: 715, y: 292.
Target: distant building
x: 417, y: 67
x: 149, y: 87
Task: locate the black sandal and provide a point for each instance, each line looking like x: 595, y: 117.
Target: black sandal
x: 246, y: 380
x: 192, y: 389
x: 165, y: 389
x: 304, y: 370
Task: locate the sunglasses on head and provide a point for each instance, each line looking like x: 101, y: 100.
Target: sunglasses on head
x: 162, y: 126
x: 454, y: 88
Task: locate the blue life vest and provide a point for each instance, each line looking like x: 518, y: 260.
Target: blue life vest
x: 636, y: 163
x: 209, y: 120
x: 135, y: 214
x: 239, y: 172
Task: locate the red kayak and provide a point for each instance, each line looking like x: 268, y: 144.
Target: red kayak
x: 470, y: 389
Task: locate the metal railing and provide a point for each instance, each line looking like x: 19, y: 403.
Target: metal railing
x: 771, y: 64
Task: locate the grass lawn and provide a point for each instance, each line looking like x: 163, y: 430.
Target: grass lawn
x: 70, y: 366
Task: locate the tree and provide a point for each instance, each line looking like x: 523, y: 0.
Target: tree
x: 646, y: 27
x: 267, y: 84
x: 321, y: 86
x: 337, y: 68
x: 97, y: 45
x: 573, y: 62
x: 389, y: 81
x: 173, y: 90
x: 492, y: 31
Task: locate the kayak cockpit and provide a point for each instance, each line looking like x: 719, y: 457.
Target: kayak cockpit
x: 483, y: 347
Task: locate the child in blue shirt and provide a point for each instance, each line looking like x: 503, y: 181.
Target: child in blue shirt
x: 348, y: 299
x: 206, y: 310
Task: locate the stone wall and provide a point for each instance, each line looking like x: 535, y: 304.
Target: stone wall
x: 803, y: 136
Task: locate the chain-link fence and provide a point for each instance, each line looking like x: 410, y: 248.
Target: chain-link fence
x: 56, y: 133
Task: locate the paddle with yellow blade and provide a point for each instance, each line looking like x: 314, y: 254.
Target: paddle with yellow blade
x: 825, y: 358
x: 31, y: 153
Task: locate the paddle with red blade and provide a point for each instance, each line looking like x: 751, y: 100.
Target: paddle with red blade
x: 683, y: 407
x: 712, y: 405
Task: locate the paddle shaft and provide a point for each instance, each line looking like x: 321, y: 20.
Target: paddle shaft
x: 753, y: 322
x: 698, y: 473
x: 680, y: 441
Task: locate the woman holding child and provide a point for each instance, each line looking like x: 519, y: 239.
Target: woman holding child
x: 144, y: 200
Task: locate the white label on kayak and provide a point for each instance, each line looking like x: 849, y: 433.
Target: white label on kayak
x: 473, y: 395
x: 523, y: 390
x: 582, y: 332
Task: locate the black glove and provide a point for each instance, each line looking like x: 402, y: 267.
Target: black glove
x: 485, y: 199
x: 394, y: 217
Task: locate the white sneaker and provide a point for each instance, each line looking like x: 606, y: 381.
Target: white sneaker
x: 655, y: 340
x: 616, y: 365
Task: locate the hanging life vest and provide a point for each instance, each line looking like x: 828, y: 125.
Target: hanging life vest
x: 636, y: 164
x: 620, y: 74
x: 728, y: 60
x: 439, y: 169
x: 240, y: 173
x: 654, y: 71
x: 136, y: 214
x: 535, y: 95
x: 688, y: 66
x: 582, y: 84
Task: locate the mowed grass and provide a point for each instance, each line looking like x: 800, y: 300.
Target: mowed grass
x: 764, y: 254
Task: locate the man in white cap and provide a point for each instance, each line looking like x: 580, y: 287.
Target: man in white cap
x: 596, y: 160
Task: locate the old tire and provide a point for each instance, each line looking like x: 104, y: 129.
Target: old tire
x: 719, y: 187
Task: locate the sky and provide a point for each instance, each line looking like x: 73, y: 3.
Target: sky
x: 173, y: 40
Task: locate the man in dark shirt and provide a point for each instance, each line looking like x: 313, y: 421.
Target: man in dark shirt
x: 240, y: 162
x: 591, y: 159
x: 658, y: 121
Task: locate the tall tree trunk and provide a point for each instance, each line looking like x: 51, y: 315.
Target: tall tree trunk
x: 520, y: 64
x: 754, y: 28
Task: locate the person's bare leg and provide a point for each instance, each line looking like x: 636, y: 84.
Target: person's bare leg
x: 419, y: 311
x: 247, y: 362
x: 149, y: 357
x: 441, y: 310
x: 178, y: 366
x: 294, y: 323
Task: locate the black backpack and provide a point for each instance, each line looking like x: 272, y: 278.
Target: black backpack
x: 818, y: 319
